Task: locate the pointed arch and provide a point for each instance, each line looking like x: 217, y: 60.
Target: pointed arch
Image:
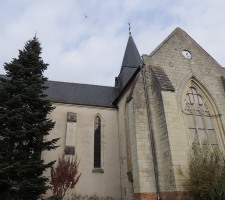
x: 97, y: 142
x: 193, y: 79
x: 200, y: 114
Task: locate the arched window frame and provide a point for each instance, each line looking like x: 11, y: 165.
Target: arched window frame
x: 203, y: 113
x: 97, y: 149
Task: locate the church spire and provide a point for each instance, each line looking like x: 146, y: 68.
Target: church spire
x: 131, y: 57
x: 131, y: 61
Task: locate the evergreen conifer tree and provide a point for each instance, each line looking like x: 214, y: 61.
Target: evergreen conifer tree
x: 24, y: 125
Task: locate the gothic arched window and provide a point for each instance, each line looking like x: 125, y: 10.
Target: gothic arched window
x: 199, y: 118
x: 97, y: 143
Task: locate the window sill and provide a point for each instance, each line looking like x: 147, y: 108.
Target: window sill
x: 98, y: 170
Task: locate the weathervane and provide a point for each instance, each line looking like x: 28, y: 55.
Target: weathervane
x: 129, y: 27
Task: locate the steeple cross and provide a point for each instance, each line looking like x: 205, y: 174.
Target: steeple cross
x: 129, y: 27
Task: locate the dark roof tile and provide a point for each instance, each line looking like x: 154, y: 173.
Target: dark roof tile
x: 82, y: 94
x: 131, y: 57
x: 131, y: 61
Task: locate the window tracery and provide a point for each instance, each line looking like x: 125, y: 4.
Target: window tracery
x: 199, y: 118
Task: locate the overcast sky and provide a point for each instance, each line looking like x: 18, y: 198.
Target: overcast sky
x: 84, y: 41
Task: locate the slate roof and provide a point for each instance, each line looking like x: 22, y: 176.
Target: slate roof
x: 121, y: 92
x: 82, y: 94
x: 131, y: 61
x: 131, y: 57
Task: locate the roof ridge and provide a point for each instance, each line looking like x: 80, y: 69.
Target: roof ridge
x: 165, y: 40
x: 178, y: 29
x: 3, y: 75
x: 79, y: 83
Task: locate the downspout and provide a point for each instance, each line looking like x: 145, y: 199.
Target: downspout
x: 151, y: 133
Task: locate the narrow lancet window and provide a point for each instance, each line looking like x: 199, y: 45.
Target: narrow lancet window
x: 97, y: 143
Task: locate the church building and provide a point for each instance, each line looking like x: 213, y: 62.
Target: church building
x: 132, y: 138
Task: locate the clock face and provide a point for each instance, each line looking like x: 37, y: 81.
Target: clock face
x: 186, y: 54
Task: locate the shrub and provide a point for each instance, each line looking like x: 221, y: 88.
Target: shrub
x: 205, y: 174
x: 64, y: 176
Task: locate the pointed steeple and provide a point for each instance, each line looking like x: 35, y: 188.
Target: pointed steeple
x: 131, y: 61
x: 131, y: 57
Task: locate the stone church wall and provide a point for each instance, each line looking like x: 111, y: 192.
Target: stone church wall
x: 144, y: 160
x: 201, y: 67
x: 126, y: 185
x: 141, y: 159
x: 160, y: 131
x: 108, y: 182
x: 144, y: 185
x: 152, y: 113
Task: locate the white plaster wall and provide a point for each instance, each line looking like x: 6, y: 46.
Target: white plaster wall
x: 102, y: 184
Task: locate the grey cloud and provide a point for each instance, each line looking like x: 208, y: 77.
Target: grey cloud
x: 90, y: 50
